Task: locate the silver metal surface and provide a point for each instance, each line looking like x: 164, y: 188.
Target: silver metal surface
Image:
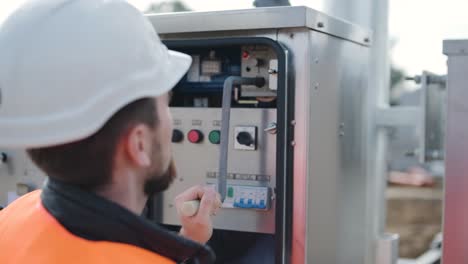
x: 457, y: 47
x: 196, y: 163
x: 373, y: 15
x: 337, y: 179
x: 433, y: 117
x: 259, y: 18
x: 427, y: 118
x: 399, y: 116
x: 455, y: 229
x: 387, y: 249
x: 330, y: 174
x: 297, y: 41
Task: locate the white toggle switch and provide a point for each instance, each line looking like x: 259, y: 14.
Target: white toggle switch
x: 273, y: 75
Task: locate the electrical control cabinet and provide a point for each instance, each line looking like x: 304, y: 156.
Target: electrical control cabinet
x: 297, y: 138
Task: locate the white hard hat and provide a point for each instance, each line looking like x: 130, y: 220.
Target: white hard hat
x: 66, y: 66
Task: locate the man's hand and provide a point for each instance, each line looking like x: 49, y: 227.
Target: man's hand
x: 198, y: 227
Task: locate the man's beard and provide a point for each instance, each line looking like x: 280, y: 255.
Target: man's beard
x: 157, y: 183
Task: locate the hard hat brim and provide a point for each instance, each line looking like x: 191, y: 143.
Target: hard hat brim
x: 179, y: 63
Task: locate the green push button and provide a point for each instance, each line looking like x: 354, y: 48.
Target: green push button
x: 214, y: 137
x: 230, y: 192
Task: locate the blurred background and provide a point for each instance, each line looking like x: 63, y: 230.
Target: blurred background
x: 417, y: 28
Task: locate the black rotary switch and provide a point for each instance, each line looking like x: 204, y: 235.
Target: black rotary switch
x: 245, y: 138
x: 177, y: 136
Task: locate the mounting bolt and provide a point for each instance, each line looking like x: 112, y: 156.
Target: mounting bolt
x: 271, y: 128
x: 320, y: 24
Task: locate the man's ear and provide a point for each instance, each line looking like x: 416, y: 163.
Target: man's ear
x: 138, y: 145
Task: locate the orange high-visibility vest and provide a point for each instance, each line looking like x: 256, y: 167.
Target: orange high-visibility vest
x: 29, y: 234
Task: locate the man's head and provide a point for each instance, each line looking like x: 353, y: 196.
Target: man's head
x: 75, y: 97
x: 135, y: 141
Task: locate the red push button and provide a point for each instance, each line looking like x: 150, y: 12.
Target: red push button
x: 195, y: 136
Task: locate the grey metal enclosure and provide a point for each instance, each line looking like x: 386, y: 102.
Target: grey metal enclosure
x: 456, y: 147
x: 314, y: 170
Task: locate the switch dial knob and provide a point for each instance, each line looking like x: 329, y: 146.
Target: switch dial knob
x: 245, y: 138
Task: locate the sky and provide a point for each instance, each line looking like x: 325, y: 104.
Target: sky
x: 417, y: 27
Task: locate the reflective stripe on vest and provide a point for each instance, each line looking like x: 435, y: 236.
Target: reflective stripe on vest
x: 29, y: 234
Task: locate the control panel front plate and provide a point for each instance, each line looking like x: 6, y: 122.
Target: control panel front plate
x: 251, y: 174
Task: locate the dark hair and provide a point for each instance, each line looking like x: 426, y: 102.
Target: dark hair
x: 88, y: 163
